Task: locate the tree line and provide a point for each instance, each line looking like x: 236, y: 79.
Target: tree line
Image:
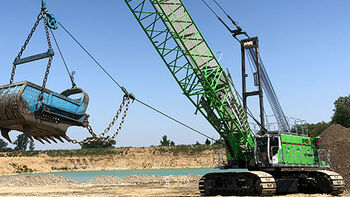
x: 22, y: 143
x: 166, y: 142
x: 340, y: 116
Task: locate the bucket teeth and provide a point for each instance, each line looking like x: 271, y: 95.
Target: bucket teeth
x: 5, y: 134
x: 31, y: 138
x: 52, y: 138
x: 46, y: 139
x: 59, y: 138
x: 39, y: 139
x: 28, y: 133
x: 66, y: 137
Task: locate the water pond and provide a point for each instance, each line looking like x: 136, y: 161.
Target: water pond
x: 85, y: 176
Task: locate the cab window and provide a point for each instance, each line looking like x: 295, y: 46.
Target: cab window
x: 274, y: 145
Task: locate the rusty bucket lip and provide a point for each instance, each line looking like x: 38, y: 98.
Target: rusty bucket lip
x: 26, y: 83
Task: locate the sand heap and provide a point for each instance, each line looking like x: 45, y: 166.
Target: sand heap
x: 53, y: 180
x: 42, y: 180
x: 337, y: 139
x: 143, y: 179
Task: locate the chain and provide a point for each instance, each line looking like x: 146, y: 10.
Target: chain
x: 39, y: 17
x: 115, y: 117
x: 91, y: 131
x: 50, y: 48
x: 122, y: 120
x: 100, y: 138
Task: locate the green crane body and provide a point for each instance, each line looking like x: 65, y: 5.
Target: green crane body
x: 303, y: 150
x: 203, y: 81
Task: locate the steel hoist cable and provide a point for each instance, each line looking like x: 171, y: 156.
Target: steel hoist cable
x: 89, y: 54
x: 63, y: 59
x: 128, y: 95
x: 239, y: 30
x: 211, y: 9
x: 171, y: 118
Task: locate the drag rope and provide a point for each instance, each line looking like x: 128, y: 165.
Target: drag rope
x: 123, y: 89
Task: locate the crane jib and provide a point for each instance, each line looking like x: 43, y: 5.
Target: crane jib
x: 188, y: 57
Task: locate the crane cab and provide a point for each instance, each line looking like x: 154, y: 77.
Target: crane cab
x: 289, y: 150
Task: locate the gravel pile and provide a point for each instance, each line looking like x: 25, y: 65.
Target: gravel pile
x: 143, y: 179
x: 183, y: 179
x: 106, y: 180
x: 41, y: 180
x: 53, y: 180
x: 337, y: 139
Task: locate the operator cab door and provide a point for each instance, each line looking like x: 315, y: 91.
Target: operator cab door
x: 274, y: 145
x: 266, y: 150
x: 261, y: 151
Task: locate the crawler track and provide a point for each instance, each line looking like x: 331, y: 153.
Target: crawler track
x: 237, y: 183
x: 336, y: 181
x: 264, y: 184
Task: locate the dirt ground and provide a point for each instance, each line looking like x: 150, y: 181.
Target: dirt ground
x: 116, y: 190
x: 144, y: 185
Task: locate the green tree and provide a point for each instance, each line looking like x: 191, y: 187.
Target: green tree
x: 165, y: 141
x: 219, y: 141
x: 197, y: 143
x: 207, y: 142
x: 3, y: 146
x: 98, y: 144
x: 317, y: 129
x: 31, y: 146
x: 21, y: 142
x: 342, y: 111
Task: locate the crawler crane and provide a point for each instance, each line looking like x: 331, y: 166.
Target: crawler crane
x: 277, y: 162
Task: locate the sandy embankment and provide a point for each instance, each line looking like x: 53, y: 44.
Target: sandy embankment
x: 130, y: 158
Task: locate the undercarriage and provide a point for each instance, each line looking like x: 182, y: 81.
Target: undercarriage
x: 262, y: 183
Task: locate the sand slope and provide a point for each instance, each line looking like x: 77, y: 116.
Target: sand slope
x: 132, y: 158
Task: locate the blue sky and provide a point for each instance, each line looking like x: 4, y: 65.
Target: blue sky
x: 304, y: 45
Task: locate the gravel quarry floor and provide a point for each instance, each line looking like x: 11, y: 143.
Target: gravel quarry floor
x: 336, y: 138
x: 144, y: 185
